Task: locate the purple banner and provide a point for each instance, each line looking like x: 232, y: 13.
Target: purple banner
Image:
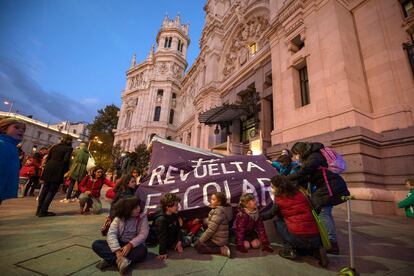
x: 194, y: 175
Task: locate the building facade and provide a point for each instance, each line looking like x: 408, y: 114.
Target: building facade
x: 273, y: 72
x: 39, y: 134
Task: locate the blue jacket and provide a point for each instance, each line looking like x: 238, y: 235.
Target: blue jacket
x: 9, y: 167
x: 294, y: 166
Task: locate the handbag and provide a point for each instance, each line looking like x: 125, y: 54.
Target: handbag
x: 105, y: 226
x: 91, y: 163
x: 321, y: 227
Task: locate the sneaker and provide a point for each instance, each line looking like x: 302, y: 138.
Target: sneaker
x: 64, y: 200
x: 73, y: 200
x: 334, y: 249
x: 287, y: 253
x: 103, y: 264
x: 123, y: 265
x: 225, y: 251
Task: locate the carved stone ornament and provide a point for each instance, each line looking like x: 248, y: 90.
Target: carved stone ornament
x: 251, y: 32
x: 162, y: 67
x: 138, y: 81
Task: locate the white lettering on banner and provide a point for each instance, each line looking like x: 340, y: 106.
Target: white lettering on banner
x: 237, y: 165
x: 225, y: 171
x: 157, y: 172
x: 196, y: 175
x: 205, y: 194
x: 168, y: 178
x: 147, y: 202
x: 227, y: 191
x: 183, y: 176
x: 251, y: 165
x: 212, y: 170
x: 249, y: 188
x: 185, y: 201
x: 265, y: 189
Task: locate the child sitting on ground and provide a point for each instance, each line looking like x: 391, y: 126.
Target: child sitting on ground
x: 408, y: 203
x: 249, y: 227
x: 215, y: 239
x: 295, y: 223
x: 125, y: 244
x: 167, y: 226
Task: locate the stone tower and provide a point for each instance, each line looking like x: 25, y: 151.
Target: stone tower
x: 149, y: 100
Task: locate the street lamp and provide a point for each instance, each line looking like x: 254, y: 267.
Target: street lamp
x: 95, y: 139
x: 11, y: 105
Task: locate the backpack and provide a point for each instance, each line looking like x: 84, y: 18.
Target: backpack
x: 336, y: 162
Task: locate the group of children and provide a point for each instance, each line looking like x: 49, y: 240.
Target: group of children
x: 129, y: 230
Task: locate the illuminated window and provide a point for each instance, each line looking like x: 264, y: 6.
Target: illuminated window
x: 253, y: 48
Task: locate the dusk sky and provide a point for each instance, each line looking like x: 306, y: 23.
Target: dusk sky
x: 64, y: 59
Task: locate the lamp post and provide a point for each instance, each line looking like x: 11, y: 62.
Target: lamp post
x: 95, y: 139
x: 11, y: 106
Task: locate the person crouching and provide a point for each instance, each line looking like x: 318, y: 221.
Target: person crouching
x: 249, y: 227
x: 125, y: 243
x: 295, y: 223
x: 90, y: 188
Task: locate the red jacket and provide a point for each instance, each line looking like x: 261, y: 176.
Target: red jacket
x: 30, y: 168
x: 94, y: 185
x: 244, y: 223
x: 297, y: 214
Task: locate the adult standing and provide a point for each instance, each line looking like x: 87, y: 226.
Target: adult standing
x: 311, y: 170
x: 78, y: 169
x: 57, y: 163
x: 11, y: 134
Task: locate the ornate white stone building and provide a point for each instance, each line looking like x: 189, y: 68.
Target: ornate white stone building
x: 273, y: 72
x: 149, y: 101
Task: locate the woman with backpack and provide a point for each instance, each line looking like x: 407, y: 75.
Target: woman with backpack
x: 329, y: 186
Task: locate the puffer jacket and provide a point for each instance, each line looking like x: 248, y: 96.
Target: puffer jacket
x: 218, y: 226
x: 296, y: 213
x: 310, y: 171
x: 244, y: 223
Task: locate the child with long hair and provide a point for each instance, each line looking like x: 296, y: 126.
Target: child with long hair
x: 125, y: 243
x: 295, y: 223
x: 90, y: 188
x: 215, y: 239
x: 249, y: 227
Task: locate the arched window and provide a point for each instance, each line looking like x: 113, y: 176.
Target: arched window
x: 157, y: 113
x: 171, y: 119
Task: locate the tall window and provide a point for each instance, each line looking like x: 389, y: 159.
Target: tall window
x: 171, y: 119
x: 179, y: 48
x: 408, y: 6
x: 128, y: 119
x: 304, y: 86
x: 167, y: 42
x: 174, y: 95
x: 248, y: 130
x: 157, y: 113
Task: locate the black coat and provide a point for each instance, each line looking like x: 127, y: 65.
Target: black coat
x: 310, y: 172
x: 57, y: 163
x: 168, y: 231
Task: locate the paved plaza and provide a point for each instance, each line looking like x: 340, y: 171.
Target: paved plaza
x: 61, y: 245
